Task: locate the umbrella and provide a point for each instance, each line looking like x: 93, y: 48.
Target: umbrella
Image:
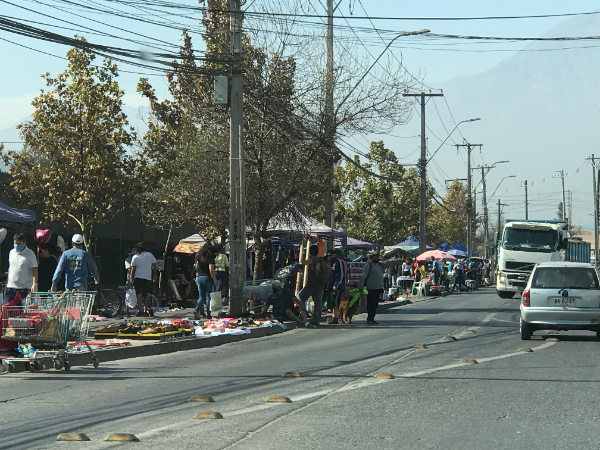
x: 459, y: 246
x: 458, y: 253
x: 437, y: 254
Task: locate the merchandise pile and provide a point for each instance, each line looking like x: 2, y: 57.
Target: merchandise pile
x: 218, y: 327
x: 144, y: 329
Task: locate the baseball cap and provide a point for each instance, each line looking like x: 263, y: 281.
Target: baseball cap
x: 77, y: 239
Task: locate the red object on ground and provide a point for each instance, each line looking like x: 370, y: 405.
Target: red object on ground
x: 16, y: 302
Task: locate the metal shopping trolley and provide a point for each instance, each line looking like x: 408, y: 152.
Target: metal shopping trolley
x: 47, y: 327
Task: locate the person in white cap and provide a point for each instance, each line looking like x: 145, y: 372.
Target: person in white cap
x: 76, y: 263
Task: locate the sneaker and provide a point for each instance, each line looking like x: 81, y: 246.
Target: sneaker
x: 196, y: 315
x: 372, y: 322
x: 333, y: 321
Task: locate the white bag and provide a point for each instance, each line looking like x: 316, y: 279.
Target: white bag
x: 216, y: 303
x: 130, y: 298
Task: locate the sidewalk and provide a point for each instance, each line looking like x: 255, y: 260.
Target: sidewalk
x: 141, y: 348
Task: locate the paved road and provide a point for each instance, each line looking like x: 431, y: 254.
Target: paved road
x: 510, y: 400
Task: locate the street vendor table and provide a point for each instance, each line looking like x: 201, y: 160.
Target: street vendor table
x: 405, y: 282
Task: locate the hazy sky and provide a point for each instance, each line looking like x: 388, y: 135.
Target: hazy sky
x: 20, y: 68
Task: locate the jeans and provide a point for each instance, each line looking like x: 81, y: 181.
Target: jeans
x: 436, y: 277
x: 460, y: 280
x: 372, y: 302
x: 317, y: 295
x: 221, y: 277
x: 10, y: 293
x: 205, y: 285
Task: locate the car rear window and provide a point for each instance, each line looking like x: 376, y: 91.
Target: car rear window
x: 565, y: 277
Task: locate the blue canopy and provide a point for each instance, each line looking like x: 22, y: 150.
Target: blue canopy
x: 444, y: 247
x: 8, y: 214
x: 459, y: 246
x: 410, y: 241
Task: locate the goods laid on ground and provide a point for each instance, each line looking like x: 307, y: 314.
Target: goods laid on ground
x: 146, y: 330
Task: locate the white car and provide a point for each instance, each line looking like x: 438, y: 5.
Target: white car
x: 561, y: 296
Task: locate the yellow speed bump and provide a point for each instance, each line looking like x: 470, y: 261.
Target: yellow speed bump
x: 120, y: 437
x: 209, y: 415
x: 292, y: 375
x: 525, y: 349
x: 384, y: 376
x: 552, y: 339
x: 469, y: 331
x: 469, y: 361
x: 72, y: 437
x: 202, y: 399
x: 278, y: 400
x: 419, y: 346
x: 449, y: 338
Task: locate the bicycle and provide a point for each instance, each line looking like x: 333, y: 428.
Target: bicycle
x: 113, y: 301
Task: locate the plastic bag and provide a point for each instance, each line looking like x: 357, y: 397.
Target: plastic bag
x: 216, y: 303
x: 130, y: 298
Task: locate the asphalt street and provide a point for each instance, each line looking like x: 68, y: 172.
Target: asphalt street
x: 509, y: 399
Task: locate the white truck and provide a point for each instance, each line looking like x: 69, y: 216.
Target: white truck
x: 525, y: 243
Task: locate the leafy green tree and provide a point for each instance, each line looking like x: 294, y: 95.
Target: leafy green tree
x: 447, y: 222
x: 378, y: 210
x: 74, y: 161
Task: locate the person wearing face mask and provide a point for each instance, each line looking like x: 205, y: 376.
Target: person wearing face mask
x: 372, y: 280
x: 284, y: 305
x: 22, y: 270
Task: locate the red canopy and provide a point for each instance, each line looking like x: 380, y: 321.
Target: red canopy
x: 437, y: 254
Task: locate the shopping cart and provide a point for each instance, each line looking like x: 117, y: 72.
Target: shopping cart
x: 47, y: 327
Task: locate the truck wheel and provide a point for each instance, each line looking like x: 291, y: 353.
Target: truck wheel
x: 505, y: 294
x: 526, y: 330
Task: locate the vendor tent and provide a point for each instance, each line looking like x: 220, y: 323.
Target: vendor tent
x: 459, y: 246
x: 437, y: 254
x: 8, y: 214
x: 355, y: 244
x: 191, y: 244
x: 412, y: 243
x: 302, y: 224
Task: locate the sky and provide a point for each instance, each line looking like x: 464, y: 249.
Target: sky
x: 20, y: 68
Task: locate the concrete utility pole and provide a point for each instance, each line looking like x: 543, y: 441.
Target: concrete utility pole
x: 562, y: 177
x: 469, y: 196
x: 329, y: 118
x: 527, y: 202
x: 423, y: 172
x: 594, y: 169
x: 237, y: 212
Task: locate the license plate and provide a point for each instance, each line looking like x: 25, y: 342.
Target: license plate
x: 521, y: 288
x: 563, y: 301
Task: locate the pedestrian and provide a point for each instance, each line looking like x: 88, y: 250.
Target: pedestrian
x: 205, y: 280
x: 336, y: 285
x: 372, y: 280
x: 437, y: 272
x: 406, y: 268
x: 76, y: 264
x: 459, y: 276
x: 47, y: 267
x: 22, y: 270
x: 318, y: 276
x: 285, y: 305
x: 221, y: 268
x: 144, y: 274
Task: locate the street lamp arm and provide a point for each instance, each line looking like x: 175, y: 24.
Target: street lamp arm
x: 509, y: 176
x: 409, y: 33
x: 450, y: 134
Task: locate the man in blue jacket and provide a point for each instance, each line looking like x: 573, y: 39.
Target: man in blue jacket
x: 76, y: 263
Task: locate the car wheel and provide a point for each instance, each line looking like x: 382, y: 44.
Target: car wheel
x: 526, y: 330
x: 505, y: 294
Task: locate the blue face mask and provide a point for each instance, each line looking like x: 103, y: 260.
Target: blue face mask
x: 19, y: 247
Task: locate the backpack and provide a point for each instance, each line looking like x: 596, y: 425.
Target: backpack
x: 322, y: 270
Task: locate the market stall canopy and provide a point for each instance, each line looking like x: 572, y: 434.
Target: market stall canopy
x: 192, y: 244
x: 8, y: 214
x: 444, y: 247
x: 412, y: 243
x: 302, y: 225
x: 352, y: 243
x: 458, y: 253
x: 437, y: 254
x: 392, y: 251
x: 459, y: 246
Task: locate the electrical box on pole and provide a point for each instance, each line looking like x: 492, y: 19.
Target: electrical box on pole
x: 221, y: 90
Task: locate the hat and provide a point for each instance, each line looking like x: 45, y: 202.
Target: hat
x: 77, y: 239
x: 277, y: 283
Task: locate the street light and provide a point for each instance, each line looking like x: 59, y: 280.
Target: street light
x: 509, y: 176
x: 450, y: 134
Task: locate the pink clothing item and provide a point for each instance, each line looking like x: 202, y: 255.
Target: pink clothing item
x: 9, y: 345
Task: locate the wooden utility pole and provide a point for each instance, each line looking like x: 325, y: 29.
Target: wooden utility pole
x: 329, y: 120
x: 237, y: 211
x: 423, y: 172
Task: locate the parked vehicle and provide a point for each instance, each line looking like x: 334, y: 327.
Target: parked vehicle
x: 561, y: 296
x: 525, y: 243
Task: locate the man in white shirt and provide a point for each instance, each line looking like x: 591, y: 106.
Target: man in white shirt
x: 143, y: 274
x: 22, y: 270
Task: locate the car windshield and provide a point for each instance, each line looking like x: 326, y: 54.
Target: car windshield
x: 530, y: 240
x: 565, y: 278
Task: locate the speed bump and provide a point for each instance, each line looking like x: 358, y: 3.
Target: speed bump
x: 469, y: 361
x: 202, y: 399
x: 552, y: 339
x: 292, y: 375
x: 121, y: 437
x: 469, y: 331
x: 209, y: 415
x: 278, y: 400
x: 419, y: 346
x: 449, y: 338
x: 384, y: 376
x: 72, y: 437
x: 525, y: 349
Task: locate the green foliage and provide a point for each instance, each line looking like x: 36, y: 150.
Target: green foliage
x: 74, y: 163
x: 378, y: 210
x: 448, y: 221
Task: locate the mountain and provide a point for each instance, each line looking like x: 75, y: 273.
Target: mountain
x: 540, y: 111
